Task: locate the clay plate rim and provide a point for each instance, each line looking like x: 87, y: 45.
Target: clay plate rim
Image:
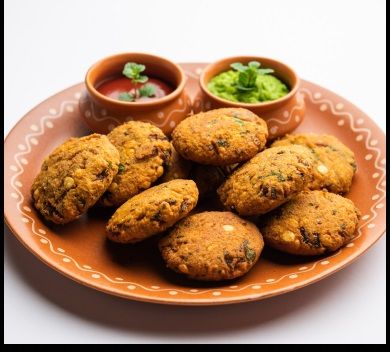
x: 198, y: 302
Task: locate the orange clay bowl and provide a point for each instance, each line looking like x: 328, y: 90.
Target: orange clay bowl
x: 282, y: 115
x: 102, y: 114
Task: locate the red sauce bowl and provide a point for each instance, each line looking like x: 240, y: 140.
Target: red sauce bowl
x: 102, y: 113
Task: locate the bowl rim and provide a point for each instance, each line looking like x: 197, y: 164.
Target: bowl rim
x: 171, y: 96
x: 270, y: 103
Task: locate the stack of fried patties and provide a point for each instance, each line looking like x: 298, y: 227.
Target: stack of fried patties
x: 290, y: 190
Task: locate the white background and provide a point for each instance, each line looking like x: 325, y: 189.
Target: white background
x: 49, y: 45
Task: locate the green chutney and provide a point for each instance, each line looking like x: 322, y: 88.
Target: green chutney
x: 267, y: 88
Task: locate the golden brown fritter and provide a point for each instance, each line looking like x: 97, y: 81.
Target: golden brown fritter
x: 152, y: 211
x: 268, y: 180
x: 176, y: 168
x: 212, y: 246
x: 220, y: 137
x: 334, y: 165
x: 313, y: 223
x: 73, y: 177
x: 143, y: 150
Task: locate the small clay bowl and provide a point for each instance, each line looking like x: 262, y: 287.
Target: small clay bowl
x: 282, y: 115
x: 102, y: 113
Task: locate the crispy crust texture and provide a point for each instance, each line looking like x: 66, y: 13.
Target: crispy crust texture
x: 268, y: 180
x: 143, y: 150
x: 313, y: 223
x: 73, y: 177
x: 220, y: 137
x: 334, y: 163
x: 212, y: 246
x: 152, y: 211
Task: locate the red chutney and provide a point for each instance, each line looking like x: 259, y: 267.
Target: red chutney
x: 113, y: 87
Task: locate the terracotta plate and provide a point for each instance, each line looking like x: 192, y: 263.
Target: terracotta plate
x: 81, y: 252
